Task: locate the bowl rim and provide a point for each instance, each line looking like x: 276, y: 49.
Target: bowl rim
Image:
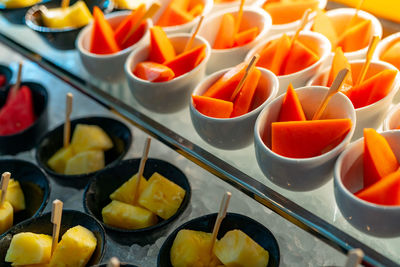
x: 274, y: 91
x: 331, y: 153
x: 7, y: 68
x: 338, y: 178
x: 389, y: 117
x: 384, y: 43
x: 182, y: 208
x: 85, y: 175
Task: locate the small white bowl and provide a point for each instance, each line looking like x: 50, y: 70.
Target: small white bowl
x: 107, y: 67
x: 385, y: 44
x: 370, y: 116
x: 225, y: 58
x: 232, y: 133
x: 315, y: 40
x: 170, y: 96
x: 370, y: 218
x: 183, y: 28
x: 392, y: 121
x: 308, y: 173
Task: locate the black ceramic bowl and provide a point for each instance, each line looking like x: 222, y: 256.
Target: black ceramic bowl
x: 28, y: 138
x: 232, y: 221
x: 53, y: 141
x: 17, y: 15
x: 97, y: 192
x: 43, y: 225
x: 33, y: 183
x: 7, y: 72
x: 60, y: 38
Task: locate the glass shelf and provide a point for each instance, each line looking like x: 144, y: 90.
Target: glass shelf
x: 314, y: 211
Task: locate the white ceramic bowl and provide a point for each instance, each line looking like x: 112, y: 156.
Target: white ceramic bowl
x: 225, y: 58
x: 108, y: 67
x: 308, y: 173
x: 170, y: 96
x: 392, y: 121
x: 370, y: 116
x: 385, y: 44
x: 232, y: 133
x: 183, y: 28
x: 373, y: 219
x: 316, y: 41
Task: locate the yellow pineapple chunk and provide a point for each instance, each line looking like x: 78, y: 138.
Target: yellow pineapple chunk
x: 125, y: 192
x: 29, y: 248
x: 58, y: 161
x: 6, y: 216
x: 15, y: 195
x: 75, y: 248
x: 128, y: 4
x: 76, y: 15
x: 33, y: 265
x: 192, y: 248
x: 90, y: 137
x: 85, y: 162
x: 238, y: 249
x: 162, y: 196
x: 18, y: 3
x: 127, y: 216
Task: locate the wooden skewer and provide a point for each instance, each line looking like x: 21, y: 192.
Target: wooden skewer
x: 5, y: 178
x: 239, y: 17
x: 149, y: 13
x: 336, y: 85
x: 190, y: 42
x: 67, y: 124
x: 249, y: 68
x: 370, y: 53
x: 114, y: 262
x: 303, y: 23
x: 56, y: 215
x: 141, y: 168
x: 17, y: 85
x: 352, y: 20
x: 65, y: 3
x: 354, y: 257
x: 221, y: 215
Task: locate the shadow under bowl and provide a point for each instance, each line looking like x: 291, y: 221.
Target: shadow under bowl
x: 119, y: 133
x: 7, y: 72
x: 43, y: 225
x: 28, y: 138
x: 97, y: 192
x: 232, y: 221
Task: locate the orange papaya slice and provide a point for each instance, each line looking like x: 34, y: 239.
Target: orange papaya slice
x: 299, y: 58
x: 323, y: 24
x: 246, y: 36
x: 102, y: 39
x: 153, y: 72
x: 187, y: 61
x: 196, y: 10
x: 212, y: 107
x: 174, y: 15
x: 356, y: 37
x: 225, y: 37
x: 274, y: 54
x: 242, y: 103
x: 161, y: 48
x: 291, y: 109
x: 126, y: 25
x: 392, y: 55
x: 340, y: 62
x: 283, y: 12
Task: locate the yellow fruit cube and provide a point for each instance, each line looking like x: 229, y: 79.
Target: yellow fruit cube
x: 29, y: 248
x: 90, y: 137
x: 192, y: 248
x: 125, y: 192
x: 15, y: 195
x: 75, y: 248
x: 85, y: 162
x: 6, y: 216
x: 238, y: 249
x: 129, y: 4
x: 127, y: 216
x: 162, y: 196
x: 18, y: 3
x: 58, y: 161
x: 79, y: 15
x: 76, y: 15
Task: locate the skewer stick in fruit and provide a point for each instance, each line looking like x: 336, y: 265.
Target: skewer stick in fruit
x: 141, y: 168
x: 351, y: 22
x: 249, y: 68
x: 149, y: 14
x: 17, y: 85
x: 114, y: 262
x: 65, y: 3
x: 190, y: 42
x: 354, y: 257
x: 370, y: 53
x: 67, y: 124
x: 336, y: 85
x: 239, y: 17
x: 5, y: 178
x: 56, y: 214
x: 303, y: 23
x: 221, y: 215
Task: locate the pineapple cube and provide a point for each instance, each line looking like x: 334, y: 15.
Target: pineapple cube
x: 162, y: 196
x: 127, y: 216
x: 6, y: 216
x: 238, y: 249
x: 192, y: 248
x: 58, y: 161
x: 76, y: 15
x: 75, y: 248
x: 129, y: 4
x: 15, y: 195
x: 125, y: 192
x: 90, y: 137
x: 29, y: 248
x: 85, y: 162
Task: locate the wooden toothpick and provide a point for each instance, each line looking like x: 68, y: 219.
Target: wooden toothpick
x: 336, y: 85
x: 249, y: 68
x: 65, y: 3
x: 17, y: 85
x: 221, y: 215
x: 370, y: 53
x: 190, y: 42
x: 67, y: 124
x: 303, y: 23
x: 141, y: 168
x: 114, y: 262
x: 5, y: 178
x: 352, y: 20
x: 149, y: 14
x: 56, y: 215
x: 239, y: 16
x: 354, y: 257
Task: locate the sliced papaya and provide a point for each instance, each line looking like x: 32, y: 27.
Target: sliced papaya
x: 212, y: 107
x: 299, y: 58
x: 174, y: 15
x: 225, y: 37
x: 356, y: 37
x: 127, y: 24
x: 283, y: 12
x: 196, y: 10
x: 187, y: 61
x: 153, y: 72
x: 274, y: 54
x: 340, y: 62
x: 246, y: 36
x: 392, y: 55
x: 323, y: 24
x: 102, y: 39
x: 243, y: 100
x: 291, y: 109
x: 161, y: 48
